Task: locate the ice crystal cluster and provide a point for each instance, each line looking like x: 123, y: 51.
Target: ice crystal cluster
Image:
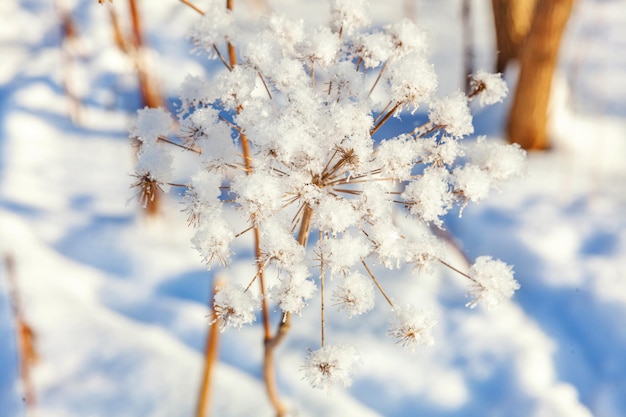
x: 292, y: 139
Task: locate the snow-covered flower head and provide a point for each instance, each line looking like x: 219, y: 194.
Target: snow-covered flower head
x: 234, y: 306
x: 412, y: 327
x: 329, y: 365
x: 355, y: 295
x: 492, y: 282
x: 150, y: 125
x: 216, y: 25
x: 293, y: 292
x: 349, y: 16
x: 489, y: 88
x: 453, y: 114
x: 413, y: 80
x: 291, y: 144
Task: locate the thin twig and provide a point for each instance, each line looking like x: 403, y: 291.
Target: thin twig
x: 377, y: 79
x: 383, y: 111
x: 322, y: 273
x: 193, y: 6
x: 456, y: 270
x: 211, y: 352
x: 377, y: 284
x: 180, y: 146
x: 27, y: 354
x: 219, y: 55
x: 384, y: 119
x: 265, y: 84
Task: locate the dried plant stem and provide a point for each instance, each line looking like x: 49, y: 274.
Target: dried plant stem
x: 385, y: 118
x: 380, y: 74
x: 269, y: 374
x: 180, y: 146
x: 193, y: 6
x: 449, y: 238
x: 369, y: 271
x: 69, y: 36
x: 232, y: 53
x: 27, y: 355
x: 305, y: 225
x: 210, y: 358
x: 322, y: 276
x: 150, y: 95
x: 270, y: 342
x: 458, y: 271
x: 265, y: 84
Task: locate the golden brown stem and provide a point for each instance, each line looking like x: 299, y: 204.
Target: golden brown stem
x: 193, y: 6
x: 380, y: 74
x: 232, y: 53
x: 27, y: 354
x: 380, y: 288
x: 322, y: 276
x: 384, y: 119
x: 305, y: 225
x: 210, y: 358
x: 136, y: 24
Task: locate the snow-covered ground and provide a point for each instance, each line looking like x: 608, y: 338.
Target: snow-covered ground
x: 118, y: 301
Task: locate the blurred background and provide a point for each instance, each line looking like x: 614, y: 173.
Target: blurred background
x: 103, y: 305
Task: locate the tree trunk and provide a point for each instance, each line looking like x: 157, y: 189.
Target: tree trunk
x: 528, y: 116
x: 512, y: 20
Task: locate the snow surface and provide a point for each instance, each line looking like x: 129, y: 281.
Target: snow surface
x: 118, y: 302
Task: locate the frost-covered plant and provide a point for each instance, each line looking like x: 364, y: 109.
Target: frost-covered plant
x: 290, y: 138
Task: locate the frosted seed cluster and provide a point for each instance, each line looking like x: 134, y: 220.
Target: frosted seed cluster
x: 290, y: 140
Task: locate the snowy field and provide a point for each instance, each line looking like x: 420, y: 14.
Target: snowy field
x: 118, y: 301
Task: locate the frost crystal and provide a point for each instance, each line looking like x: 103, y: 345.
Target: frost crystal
x: 429, y: 196
x: 331, y: 364
x: 453, y: 114
x: 150, y: 124
x: 214, y: 27
x: 490, y: 88
x: 234, y: 307
x: 349, y: 15
x: 293, y: 292
x: 499, y: 160
x: 355, y: 294
x: 412, y: 327
x: 492, y: 282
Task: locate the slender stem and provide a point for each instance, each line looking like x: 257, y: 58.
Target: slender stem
x: 259, y: 270
x: 269, y: 375
x: 27, y: 354
x: 322, y: 274
x: 305, y: 225
x: 384, y: 119
x: 232, y: 53
x: 179, y: 145
x: 377, y: 284
x: 219, y: 55
x: 193, y: 6
x: 377, y: 79
x: 210, y: 358
x: 449, y: 238
x: 441, y: 261
x: 383, y: 111
x: 136, y: 24
x: 270, y: 342
x: 247, y: 229
x: 265, y: 84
